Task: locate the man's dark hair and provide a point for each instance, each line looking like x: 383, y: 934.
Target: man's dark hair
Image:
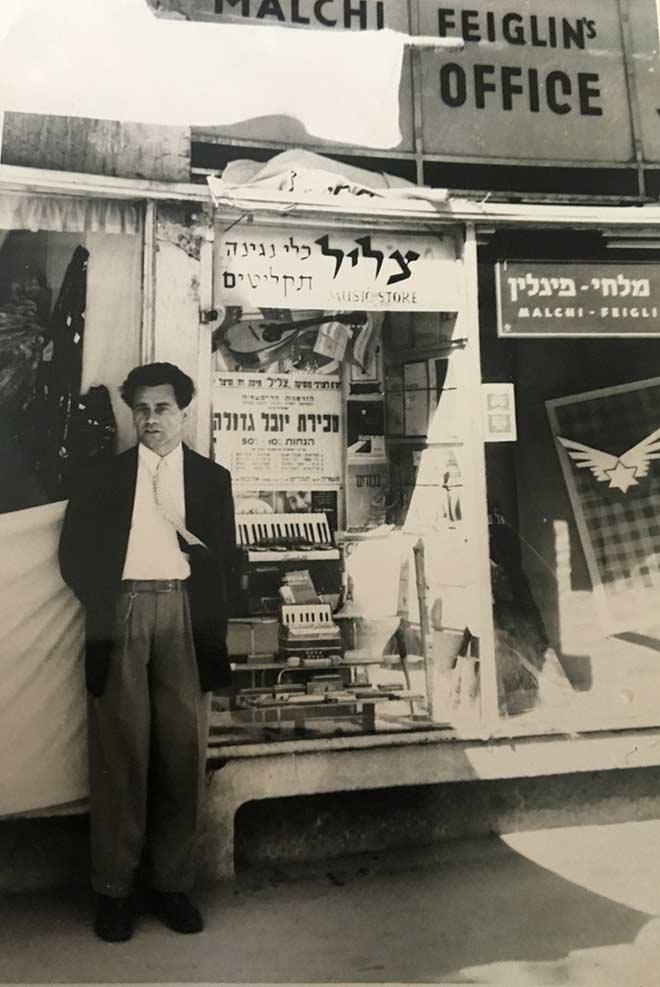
x: 153, y: 374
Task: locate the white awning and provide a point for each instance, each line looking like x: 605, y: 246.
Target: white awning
x: 115, y: 60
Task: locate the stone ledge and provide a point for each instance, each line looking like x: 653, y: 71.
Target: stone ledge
x: 342, y: 765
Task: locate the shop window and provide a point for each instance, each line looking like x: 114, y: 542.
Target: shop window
x: 573, y: 504
x: 69, y: 308
x: 357, y: 421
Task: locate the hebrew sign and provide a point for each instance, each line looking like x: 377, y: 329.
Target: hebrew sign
x: 278, y: 431
x: 334, y: 270
x: 536, y: 82
x: 599, y: 298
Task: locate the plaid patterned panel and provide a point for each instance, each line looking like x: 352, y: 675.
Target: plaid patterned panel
x: 623, y: 528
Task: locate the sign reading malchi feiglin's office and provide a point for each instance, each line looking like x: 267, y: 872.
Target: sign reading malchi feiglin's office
x: 595, y: 298
x: 535, y: 81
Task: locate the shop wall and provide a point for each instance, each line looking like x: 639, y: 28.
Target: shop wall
x: 114, y: 303
x: 317, y: 828
x: 180, y: 281
x: 310, y: 830
x: 498, y: 360
x: 96, y: 147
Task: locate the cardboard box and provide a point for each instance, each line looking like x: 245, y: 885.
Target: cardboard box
x: 252, y: 636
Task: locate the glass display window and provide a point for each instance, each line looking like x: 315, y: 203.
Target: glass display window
x: 573, y: 497
x: 67, y: 339
x: 350, y: 443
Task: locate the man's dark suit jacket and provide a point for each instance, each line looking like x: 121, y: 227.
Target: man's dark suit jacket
x: 93, y: 550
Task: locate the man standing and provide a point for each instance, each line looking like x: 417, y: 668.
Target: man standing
x: 148, y: 547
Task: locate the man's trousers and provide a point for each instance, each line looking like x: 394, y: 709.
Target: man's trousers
x: 147, y: 745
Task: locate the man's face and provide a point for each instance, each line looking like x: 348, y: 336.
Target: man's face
x: 158, y: 418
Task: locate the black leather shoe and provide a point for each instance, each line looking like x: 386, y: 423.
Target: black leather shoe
x: 176, y: 911
x: 114, y: 918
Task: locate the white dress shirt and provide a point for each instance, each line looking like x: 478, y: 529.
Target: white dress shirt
x: 153, y: 547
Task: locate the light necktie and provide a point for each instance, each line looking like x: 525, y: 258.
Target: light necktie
x: 167, y: 507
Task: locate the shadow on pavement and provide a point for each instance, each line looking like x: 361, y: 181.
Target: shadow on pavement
x: 428, y: 915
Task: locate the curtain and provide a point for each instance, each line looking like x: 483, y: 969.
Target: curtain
x: 68, y: 214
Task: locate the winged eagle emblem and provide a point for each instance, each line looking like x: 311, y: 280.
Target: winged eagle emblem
x: 622, y: 471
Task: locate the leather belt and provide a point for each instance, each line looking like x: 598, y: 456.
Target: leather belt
x: 152, y: 585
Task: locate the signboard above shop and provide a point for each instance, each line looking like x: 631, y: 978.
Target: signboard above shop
x: 327, y: 269
x: 598, y: 298
x: 349, y: 15
x: 645, y: 42
x: 535, y: 81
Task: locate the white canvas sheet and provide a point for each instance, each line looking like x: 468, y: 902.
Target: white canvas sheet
x: 43, y: 741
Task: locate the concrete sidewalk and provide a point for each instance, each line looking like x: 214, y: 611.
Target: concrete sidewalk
x: 563, y: 906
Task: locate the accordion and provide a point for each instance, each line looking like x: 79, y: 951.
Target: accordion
x: 272, y: 545
x: 308, y: 632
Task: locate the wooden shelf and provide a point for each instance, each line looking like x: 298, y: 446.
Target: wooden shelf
x: 362, y: 707
x: 282, y: 666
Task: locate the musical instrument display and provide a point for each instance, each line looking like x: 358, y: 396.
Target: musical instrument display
x: 255, y: 344
x: 272, y: 545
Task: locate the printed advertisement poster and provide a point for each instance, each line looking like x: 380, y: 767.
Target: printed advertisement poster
x: 436, y: 498
x: 498, y: 406
x: 266, y: 502
x: 367, y: 487
x: 278, y: 431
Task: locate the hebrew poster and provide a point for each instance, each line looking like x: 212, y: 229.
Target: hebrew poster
x: 279, y: 431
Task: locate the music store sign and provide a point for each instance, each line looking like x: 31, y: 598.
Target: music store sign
x: 333, y: 270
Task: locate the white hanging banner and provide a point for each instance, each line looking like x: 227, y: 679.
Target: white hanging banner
x: 332, y: 270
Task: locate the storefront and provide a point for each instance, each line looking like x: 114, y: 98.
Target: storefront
x: 571, y: 323
x: 70, y: 302
x: 494, y: 544
x: 342, y: 369
x: 394, y: 407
